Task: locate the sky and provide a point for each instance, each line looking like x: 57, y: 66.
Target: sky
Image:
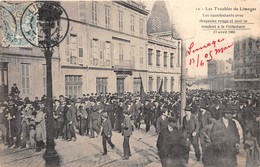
x: 187, y: 16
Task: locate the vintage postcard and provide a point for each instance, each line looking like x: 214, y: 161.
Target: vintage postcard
x: 125, y: 83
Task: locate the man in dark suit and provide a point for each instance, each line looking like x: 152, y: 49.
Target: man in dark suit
x: 71, y: 120
x: 127, y: 132
x: 191, y: 128
x: 225, y: 141
x: 204, y: 117
x: 106, y: 133
x: 58, y: 118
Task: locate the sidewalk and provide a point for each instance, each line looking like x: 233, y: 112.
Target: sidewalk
x: 87, y: 152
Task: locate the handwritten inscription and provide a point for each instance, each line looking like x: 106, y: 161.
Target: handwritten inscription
x: 206, y: 56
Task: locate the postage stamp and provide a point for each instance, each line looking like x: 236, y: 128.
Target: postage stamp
x: 11, y: 13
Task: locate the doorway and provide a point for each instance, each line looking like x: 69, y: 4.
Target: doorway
x: 120, y: 85
x: 3, y: 81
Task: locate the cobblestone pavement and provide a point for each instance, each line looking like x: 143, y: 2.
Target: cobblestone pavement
x: 87, y: 152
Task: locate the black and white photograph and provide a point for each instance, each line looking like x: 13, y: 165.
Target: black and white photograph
x: 130, y: 83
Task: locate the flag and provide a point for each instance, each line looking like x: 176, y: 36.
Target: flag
x: 160, y: 88
x: 142, y: 93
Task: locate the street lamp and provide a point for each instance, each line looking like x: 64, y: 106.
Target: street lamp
x: 50, y: 32
x: 184, y: 28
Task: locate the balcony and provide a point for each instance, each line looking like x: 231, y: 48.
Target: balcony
x: 123, y: 64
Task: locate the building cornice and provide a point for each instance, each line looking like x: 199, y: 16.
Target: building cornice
x: 25, y: 56
x: 163, y: 72
x: 133, y: 7
x: 95, y: 26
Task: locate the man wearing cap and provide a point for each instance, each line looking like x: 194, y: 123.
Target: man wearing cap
x: 204, y: 117
x: 127, y: 132
x: 106, y: 133
x: 191, y: 128
x: 225, y: 140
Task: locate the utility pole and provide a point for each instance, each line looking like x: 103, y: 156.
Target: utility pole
x: 183, y: 78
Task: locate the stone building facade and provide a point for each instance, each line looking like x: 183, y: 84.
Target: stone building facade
x: 247, y: 63
x: 106, y: 51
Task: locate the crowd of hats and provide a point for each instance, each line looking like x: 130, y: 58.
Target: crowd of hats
x: 199, y: 98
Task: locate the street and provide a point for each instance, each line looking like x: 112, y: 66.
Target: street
x: 88, y: 153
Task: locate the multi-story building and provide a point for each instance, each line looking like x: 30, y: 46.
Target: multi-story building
x: 107, y: 49
x: 220, y: 74
x: 163, y: 50
x: 247, y: 63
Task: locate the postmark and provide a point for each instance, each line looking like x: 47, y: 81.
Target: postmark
x: 11, y: 13
x: 52, y: 23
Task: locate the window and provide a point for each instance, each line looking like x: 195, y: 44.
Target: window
x: 94, y: 55
x: 73, y: 49
x: 171, y: 59
x: 82, y: 11
x: 141, y: 27
x: 81, y: 55
x: 172, y: 84
x: 67, y: 50
x: 107, y: 54
x: 44, y: 79
x: 94, y: 13
x: 150, y: 80
x: 141, y: 56
x: 165, y: 59
x: 157, y: 58
x: 121, y: 52
x: 165, y: 81
x: 132, y: 53
x: 150, y: 56
x: 107, y: 16
x: 132, y: 24
x: 137, y: 84
x: 73, y: 85
x: 121, y: 21
x: 102, y: 49
x: 158, y: 82
x: 26, y: 78
x: 80, y: 51
x: 101, y: 85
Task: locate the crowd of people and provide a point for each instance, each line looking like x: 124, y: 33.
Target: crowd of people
x: 215, y: 123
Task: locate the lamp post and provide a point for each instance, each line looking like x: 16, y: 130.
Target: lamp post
x: 48, y: 16
x: 184, y: 28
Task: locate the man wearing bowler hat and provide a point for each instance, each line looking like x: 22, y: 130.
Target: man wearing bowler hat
x: 106, y: 133
x: 204, y: 117
x: 225, y: 140
x: 191, y: 129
